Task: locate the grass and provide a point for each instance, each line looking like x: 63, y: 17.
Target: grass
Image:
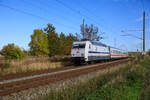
x: 82, y: 88
x: 145, y: 94
x: 29, y: 64
x: 123, y: 84
x: 128, y: 88
x: 117, y: 91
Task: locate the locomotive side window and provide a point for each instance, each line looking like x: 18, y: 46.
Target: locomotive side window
x: 78, y: 46
x: 89, y: 46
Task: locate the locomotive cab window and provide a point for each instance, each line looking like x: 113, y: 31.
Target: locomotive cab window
x: 78, y: 46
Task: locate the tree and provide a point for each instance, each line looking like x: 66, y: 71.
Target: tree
x: 11, y: 51
x: 1, y: 53
x: 66, y: 42
x: 39, y: 43
x: 89, y: 32
x: 78, y: 36
x: 63, y: 44
x: 149, y: 52
x: 69, y: 40
x: 48, y: 42
x: 53, y: 40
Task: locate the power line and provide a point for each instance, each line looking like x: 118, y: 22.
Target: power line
x: 21, y: 11
x: 91, y: 13
x: 132, y: 36
x: 142, y: 5
x: 132, y: 30
x: 127, y: 34
x: 76, y: 11
x: 41, y: 8
x: 88, y: 10
x: 33, y: 15
x: 29, y: 3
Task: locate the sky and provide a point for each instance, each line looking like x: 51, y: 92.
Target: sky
x: 18, y: 19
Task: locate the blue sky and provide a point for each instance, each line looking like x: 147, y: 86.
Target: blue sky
x: 110, y: 16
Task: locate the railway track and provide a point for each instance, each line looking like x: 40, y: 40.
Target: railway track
x: 13, y: 84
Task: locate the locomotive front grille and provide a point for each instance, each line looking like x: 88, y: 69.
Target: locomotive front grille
x: 77, y: 59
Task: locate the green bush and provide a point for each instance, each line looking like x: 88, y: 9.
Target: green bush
x: 13, y: 52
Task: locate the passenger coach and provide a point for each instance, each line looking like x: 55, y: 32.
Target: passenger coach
x: 117, y: 53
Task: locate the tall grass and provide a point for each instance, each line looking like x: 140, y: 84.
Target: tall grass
x: 82, y: 89
x: 127, y: 88
x: 110, y: 86
x: 29, y: 64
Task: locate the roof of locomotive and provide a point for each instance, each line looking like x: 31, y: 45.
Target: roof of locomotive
x: 93, y: 42
x: 99, y: 44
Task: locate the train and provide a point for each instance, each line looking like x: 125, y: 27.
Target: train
x: 90, y: 51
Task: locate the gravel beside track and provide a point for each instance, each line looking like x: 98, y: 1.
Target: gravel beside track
x: 15, y: 85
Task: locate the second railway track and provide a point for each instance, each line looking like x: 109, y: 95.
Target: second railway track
x: 17, y: 84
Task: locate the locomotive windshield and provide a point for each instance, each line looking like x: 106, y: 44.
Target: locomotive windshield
x: 78, y: 46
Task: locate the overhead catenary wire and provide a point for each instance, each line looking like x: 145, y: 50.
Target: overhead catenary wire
x: 143, y: 7
x: 33, y: 15
x: 132, y: 36
x: 76, y: 11
x: 143, y: 39
x: 43, y: 9
x: 93, y: 16
x: 88, y: 10
x: 132, y: 30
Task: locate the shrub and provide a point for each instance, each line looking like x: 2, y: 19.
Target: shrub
x: 7, y: 64
x: 13, y: 52
x: 132, y: 77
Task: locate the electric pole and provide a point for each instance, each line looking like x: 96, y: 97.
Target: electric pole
x: 143, y: 39
x: 144, y: 32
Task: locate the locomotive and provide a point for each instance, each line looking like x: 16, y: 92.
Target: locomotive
x: 88, y: 51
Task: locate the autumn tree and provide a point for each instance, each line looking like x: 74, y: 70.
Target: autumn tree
x: 66, y: 42
x: 63, y: 43
x: 149, y: 52
x: 1, y: 53
x: 53, y: 40
x: 48, y: 42
x: 69, y: 40
x: 39, y: 43
x: 11, y: 51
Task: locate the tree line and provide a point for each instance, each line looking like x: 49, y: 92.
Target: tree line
x: 44, y: 42
x: 47, y: 42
